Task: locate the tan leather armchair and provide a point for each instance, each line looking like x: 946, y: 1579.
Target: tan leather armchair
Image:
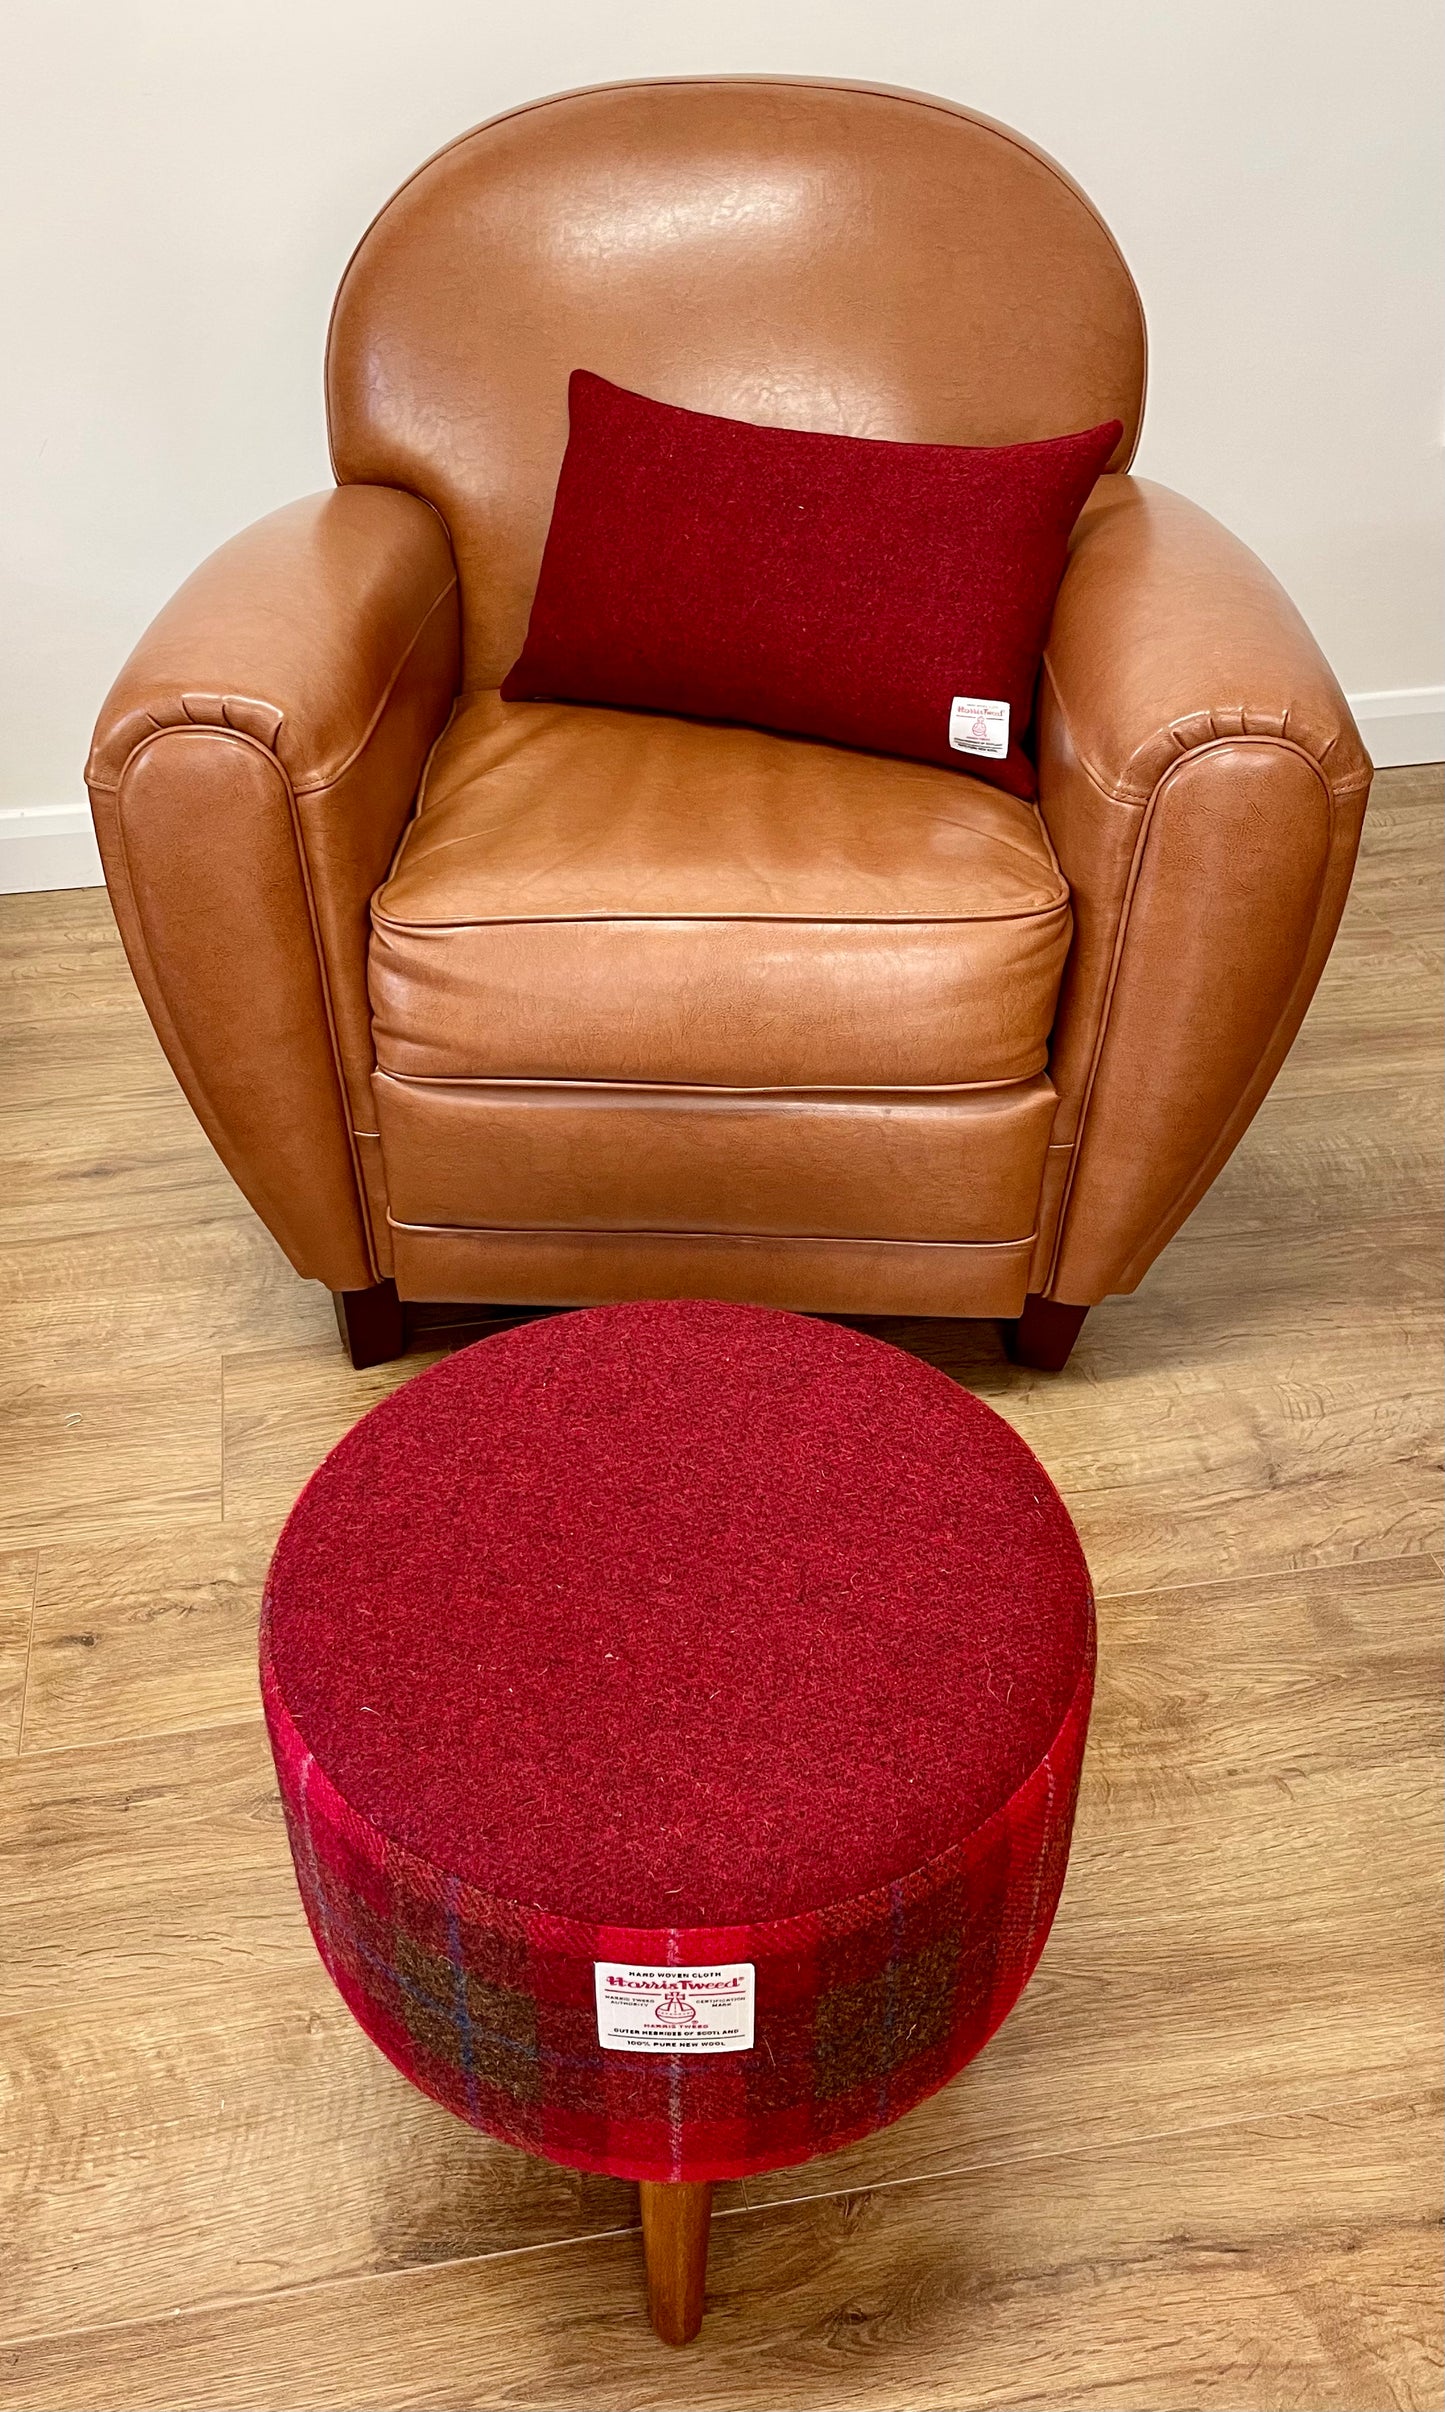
x: 541, y: 1004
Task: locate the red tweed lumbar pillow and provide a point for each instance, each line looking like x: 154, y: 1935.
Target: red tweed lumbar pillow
x: 894, y: 597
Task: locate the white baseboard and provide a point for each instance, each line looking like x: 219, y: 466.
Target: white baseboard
x: 53, y: 845
x: 1401, y: 725
x: 48, y: 846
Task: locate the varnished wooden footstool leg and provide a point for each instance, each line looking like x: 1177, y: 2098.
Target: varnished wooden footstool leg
x: 675, y: 2220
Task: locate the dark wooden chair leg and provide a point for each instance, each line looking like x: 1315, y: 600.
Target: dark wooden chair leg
x: 370, y: 1323
x: 675, y: 2221
x: 1044, y: 1334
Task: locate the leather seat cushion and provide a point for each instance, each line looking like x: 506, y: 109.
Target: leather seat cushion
x: 589, y: 894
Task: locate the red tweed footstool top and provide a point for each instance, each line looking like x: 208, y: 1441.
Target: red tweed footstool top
x: 678, y: 1710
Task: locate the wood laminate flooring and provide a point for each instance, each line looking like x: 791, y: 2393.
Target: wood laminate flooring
x: 1199, y: 2166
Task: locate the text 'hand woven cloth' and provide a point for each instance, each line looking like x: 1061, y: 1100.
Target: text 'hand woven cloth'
x: 678, y: 1711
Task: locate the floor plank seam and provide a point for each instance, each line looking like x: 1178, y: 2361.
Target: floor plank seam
x: 1142, y: 2136
x: 350, y: 2280
x: 1416, y: 1560
x: 1406, y: 1084
x: 158, y: 1733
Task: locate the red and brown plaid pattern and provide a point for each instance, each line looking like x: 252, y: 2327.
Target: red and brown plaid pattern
x: 863, y: 2008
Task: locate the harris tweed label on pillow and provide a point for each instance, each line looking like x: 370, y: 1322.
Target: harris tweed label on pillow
x: 674, y: 2009
x: 978, y: 725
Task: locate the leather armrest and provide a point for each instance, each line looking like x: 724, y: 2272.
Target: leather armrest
x: 1169, y: 633
x: 252, y: 770
x: 1203, y: 783
x: 293, y: 634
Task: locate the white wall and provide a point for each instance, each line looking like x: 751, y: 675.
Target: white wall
x: 183, y: 181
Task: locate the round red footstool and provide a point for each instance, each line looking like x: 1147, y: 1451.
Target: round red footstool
x: 678, y: 1712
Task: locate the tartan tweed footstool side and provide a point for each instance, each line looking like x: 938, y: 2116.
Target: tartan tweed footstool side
x: 678, y: 1711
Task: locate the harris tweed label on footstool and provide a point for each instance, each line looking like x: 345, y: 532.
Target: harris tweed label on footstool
x: 643, y: 2009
